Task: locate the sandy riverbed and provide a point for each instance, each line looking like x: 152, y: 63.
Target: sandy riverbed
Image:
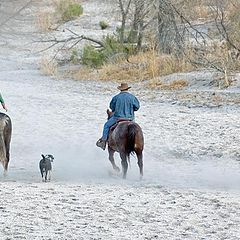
x: 190, y: 188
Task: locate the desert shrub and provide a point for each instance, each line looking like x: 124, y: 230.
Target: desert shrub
x: 68, y: 9
x: 112, y: 47
x: 174, y: 85
x: 74, y: 58
x: 142, y: 66
x: 103, y: 25
x: 92, y: 57
x: 44, y: 21
x: 112, y: 51
x: 48, y: 66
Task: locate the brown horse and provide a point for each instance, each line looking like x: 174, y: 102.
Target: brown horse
x: 125, y: 137
x: 5, y: 138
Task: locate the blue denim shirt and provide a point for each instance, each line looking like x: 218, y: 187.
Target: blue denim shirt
x: 124, y: 104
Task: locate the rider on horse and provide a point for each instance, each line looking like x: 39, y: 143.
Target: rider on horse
x: 123, y: 106
x: 3, y: 103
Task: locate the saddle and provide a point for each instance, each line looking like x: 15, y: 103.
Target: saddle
x: 118, y: 121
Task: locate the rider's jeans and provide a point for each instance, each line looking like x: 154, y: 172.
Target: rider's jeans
x: 112, y: 120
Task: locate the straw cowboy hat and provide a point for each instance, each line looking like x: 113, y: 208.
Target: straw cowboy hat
x: 123, y: 86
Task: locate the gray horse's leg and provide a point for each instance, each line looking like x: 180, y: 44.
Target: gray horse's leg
x: 5, y: 165
x: 7, y: 133
x: 7, y: 144
x: 111, y: 159
x: 124, y: 164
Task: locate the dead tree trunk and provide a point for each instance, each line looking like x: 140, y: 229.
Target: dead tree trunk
x: 124, y: 13
x: 170, y: 33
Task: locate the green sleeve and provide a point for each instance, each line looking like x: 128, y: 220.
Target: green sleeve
x: 1, y: 99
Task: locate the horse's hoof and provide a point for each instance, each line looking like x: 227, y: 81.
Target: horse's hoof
x: 117, y: 169
x: 5, y: 173
x: 114, y: 174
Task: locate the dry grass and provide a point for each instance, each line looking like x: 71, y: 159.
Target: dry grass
x: 48, y: 67
x: 199, y: 9
x: 140, y: 67
x: 66, y: 10
x: 174, y: 85
x: 45, y: 21
x: 121, y: 71
x: 143, y: 66
x: 217, y: 99
x: 223, y: 56
x: 202, y: 12
x: 84, y: 73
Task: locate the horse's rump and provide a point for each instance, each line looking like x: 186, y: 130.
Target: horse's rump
x: 135, y: 138
x: 127, y: 135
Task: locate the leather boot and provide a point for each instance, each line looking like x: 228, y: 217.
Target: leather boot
x: 101, y: 143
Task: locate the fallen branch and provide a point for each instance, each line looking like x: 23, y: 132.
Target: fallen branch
x: 76, y: 39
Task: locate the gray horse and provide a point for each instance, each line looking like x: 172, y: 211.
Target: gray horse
x: 5, y: 138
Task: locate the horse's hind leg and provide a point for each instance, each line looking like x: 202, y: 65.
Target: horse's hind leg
x: 5, y: 166
x: 6, y: 161
x: 7, y: 140
x: 111, y: 159
x: 124, y: 164
x: 140, y: 161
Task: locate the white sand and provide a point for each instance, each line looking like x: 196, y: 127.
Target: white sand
x: 191, y: 179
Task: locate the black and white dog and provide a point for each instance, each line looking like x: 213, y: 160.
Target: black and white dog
x: 45, y: 166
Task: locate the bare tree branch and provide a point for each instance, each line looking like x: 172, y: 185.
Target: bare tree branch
x: 78, y: 38
x: 223, y: 29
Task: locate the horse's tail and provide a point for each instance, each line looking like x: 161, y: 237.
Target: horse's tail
x: 132, y: 131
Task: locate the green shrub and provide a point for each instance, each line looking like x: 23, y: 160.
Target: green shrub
x: 103, y: 25
x: 111, y: 45
x: 92, y: 57
x: 74, y: 57
x: 69, y: 10
x: 112, y: 50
